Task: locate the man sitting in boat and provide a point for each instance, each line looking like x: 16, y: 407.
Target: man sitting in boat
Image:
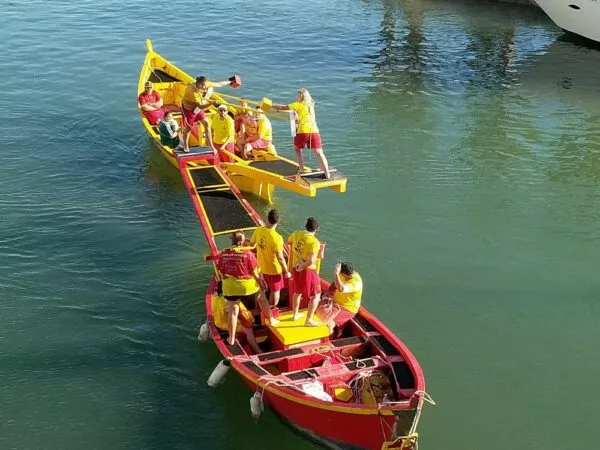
x: 257, y: 135
x: 151, y: 104
x: 241, y: 282
x: 244, y: 322
x: 269, y: 250
x: 223, y: 130
x: 304, y: 248
x: 195, y: 100
x: 345, y: 294
x: 240, y: 113
x: 169, y: 131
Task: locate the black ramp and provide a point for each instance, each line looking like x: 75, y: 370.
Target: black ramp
x: 225, y: 212
x: 318, y: 177
x: 158, y: 76
x: 206, y: 177
x: 283, y: 168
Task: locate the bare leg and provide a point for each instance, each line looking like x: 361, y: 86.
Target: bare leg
x: 247, y: 151
x: 233, y: 309
x: 299, y: 159
x: 263, y: 303
x: 186, y: 139
x: 323, y: 162
x: 312, y: 307
x: 250, y: 338
x: 331, y: 319
x: 274, y: 297
x: 296, y: 304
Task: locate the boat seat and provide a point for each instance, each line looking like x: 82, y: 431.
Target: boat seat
x: 289, y: 333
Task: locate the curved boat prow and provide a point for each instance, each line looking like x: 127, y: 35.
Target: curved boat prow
x: 149, y: 45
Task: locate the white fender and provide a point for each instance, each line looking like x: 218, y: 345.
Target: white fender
x: 204, y: 332
x: 256, y: 405
x: 218, y: 375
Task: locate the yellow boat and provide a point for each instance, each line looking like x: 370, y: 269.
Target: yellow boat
x: 258, y: 176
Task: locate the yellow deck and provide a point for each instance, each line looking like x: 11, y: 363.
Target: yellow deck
x: 290, y: 332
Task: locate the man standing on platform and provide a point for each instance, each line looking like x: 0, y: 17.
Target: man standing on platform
x: 269, y: 249
x: 241, y: 282
x: 304, y: 249
x: 195, y: 100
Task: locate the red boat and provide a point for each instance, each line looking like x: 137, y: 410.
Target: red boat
x: 363, y: 389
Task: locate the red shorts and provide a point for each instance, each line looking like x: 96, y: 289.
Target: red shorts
x: 274, y: 282
x: 343, y: 317
x: 310, y: 140
x: 154, y: 116
x: 307, y: 283
x: 190, y: 117
x: 259, y: 143
x: 229, y: 147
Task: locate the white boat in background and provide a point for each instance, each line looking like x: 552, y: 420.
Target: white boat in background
x: 581, y: 17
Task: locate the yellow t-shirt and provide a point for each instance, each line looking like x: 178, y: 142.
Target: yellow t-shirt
x: 268, y: 242
x: 239, y: 286
x: 302, y: 245
x: 223, y: 130
x: 265, y: 129
x: 219, y: 312
x: 306, y: 121
x: 350, y: 298
x: 192, y: 96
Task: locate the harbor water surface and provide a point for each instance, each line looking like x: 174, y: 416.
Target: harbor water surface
x: 470, y: 135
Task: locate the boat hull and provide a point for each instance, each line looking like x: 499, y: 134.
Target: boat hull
x: 335, y: 429
x: 333, y: 424
x: 580, y: 17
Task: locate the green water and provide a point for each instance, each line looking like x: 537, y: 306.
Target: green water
x: 470, y: 134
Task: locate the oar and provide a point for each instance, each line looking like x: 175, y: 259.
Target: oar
x: 261, y: 111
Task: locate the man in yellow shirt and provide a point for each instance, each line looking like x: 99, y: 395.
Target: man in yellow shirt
x: 304, y: 249
x: 194, y: 101
x: 223, y: 130
x: 269, y: 250
x: 307, y: 133
x: 347, y: 288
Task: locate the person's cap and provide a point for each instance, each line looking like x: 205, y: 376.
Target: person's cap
x: 222, y: 107
x: 148, y: 84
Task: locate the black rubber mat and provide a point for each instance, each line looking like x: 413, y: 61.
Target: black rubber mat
x: 319, y: 177
x: 206, y: 177
x: 385, y: 346
x: 279, y: 167
x: 360, y: 365
x: 158, y: 76
x: 255, y: 368
x: 347, y: 341
x: 281, y: 354
x: 364, y: 324
x: 235, y: 349
x: 302, y: 375
x: 404, y: 375
x: 225, y: 212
